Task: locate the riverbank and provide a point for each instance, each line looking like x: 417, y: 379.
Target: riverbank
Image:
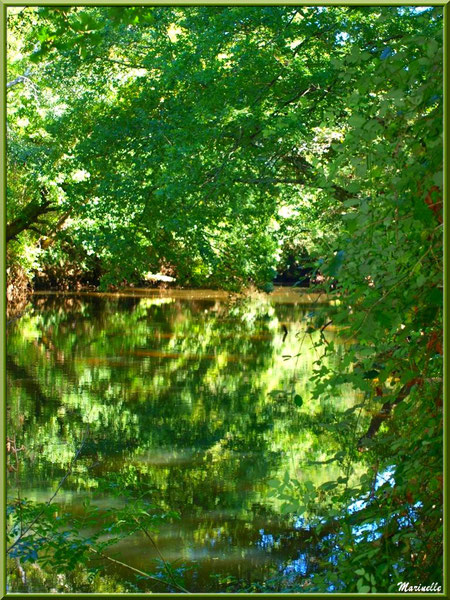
x: 280, y: 294
x: 19, y: 292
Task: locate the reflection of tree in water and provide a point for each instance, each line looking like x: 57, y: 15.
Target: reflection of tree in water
x: 71, y: 335
x: 173, y: 392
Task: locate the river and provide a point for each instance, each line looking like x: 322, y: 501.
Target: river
x: 202, y: 399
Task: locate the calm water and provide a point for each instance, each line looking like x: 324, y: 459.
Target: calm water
x: 190, y: 394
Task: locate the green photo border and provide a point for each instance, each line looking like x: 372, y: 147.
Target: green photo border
x: 3, y: 12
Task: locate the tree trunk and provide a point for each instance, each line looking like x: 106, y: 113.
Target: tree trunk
x: 29, y: 217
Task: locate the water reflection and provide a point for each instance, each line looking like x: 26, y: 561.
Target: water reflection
x: 191, y: 395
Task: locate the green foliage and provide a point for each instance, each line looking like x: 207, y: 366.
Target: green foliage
x: 55, y: 541
x: 219, y: 142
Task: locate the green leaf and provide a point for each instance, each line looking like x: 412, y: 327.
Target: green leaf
x: 438, y: 178
x: 335, y: 265
x: 356, y: 121
x: 435, y: 297
x: 362, y: 587
x: 329, y: 485
x: 420, y: 280
x: 298, y: 400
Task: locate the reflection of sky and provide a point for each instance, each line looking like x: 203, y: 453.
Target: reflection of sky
x: 372, y: 531
x: 386, y: 476
x: 356, y: 505
x: 267, y: 541
x: 299, y: 566
x: 300, y: 523
x: 368, y: 531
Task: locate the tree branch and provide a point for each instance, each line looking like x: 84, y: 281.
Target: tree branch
x: 29, y: 216
x: 166, y: 566
x: 143, y: 573
x: 385, y: 411
x: 21, y: 79
x: 16, y: 81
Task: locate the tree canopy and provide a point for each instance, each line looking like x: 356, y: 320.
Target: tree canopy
x: 205, y: 138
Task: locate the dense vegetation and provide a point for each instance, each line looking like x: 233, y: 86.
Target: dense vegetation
x: 221, y: 145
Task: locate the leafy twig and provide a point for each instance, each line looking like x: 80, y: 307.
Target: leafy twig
x: 60, y: 484
x: 143, y: 573
x: 166, y: 566
x: 384, y: 296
